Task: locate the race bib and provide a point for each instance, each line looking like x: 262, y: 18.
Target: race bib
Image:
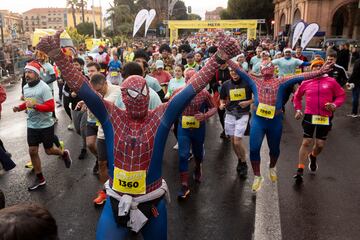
x: 298, y: 71
x: 237, y: 94
x: 97, y: 123
x: 190, y: 122
x: 129, y: 182
x: 114, y: 74
x: 320, y: 120
x: 33, y: 100
x: 266, y: 111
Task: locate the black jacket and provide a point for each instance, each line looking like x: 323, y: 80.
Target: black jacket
x: 355, y: 76
x: 339, y: 73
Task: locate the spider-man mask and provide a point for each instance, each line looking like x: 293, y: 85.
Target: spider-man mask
x: 267, y: 70
x: 135, y: 95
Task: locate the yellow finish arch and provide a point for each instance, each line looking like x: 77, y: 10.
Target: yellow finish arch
x: 175, y: 25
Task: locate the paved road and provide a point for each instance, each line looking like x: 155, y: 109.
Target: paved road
x: 222, y: 207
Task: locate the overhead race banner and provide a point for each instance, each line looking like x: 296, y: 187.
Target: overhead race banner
x: 309, y: 33
x: 299, y: 28
x: 150, y: 18
x: 140, y: 18
x: 175, y: 25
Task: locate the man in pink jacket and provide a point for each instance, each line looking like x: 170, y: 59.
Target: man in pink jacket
x: 323, y: 96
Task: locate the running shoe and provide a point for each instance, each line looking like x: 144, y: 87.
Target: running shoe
x: 273, y: 174
x: 67, y: 158
x: 242, y: 169
x: 257, y: 183
x: 96, y: 168
x: 312, y: 163
x: 37, y: 183
x: 198, y: 173
x: 62, y: 145
x: 183, y: 192
x: 298, y: 177
x: 82, y: 154
x: 29, y: 165
x: 176, y: 146
x: 70, y: 127
x: 100, y: 199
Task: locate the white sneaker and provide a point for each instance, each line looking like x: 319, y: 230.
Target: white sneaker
x: 257, y: 183
x: 353, y: 115
x: 70, y: 126
x: 273, y: 174
x: 176, y: 147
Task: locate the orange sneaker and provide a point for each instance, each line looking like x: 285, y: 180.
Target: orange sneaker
x: 101, y: 198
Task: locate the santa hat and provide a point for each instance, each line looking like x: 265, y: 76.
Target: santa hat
x: 33, y: 66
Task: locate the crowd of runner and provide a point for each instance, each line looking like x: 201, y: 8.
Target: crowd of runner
x: 124, y: 100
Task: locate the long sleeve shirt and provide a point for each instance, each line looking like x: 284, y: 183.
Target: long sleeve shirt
x: 319, y: 92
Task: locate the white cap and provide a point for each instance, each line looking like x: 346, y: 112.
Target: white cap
x: 159, y: 64
x: 287, y: 50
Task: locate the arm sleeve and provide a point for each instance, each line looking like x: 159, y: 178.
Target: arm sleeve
x: 288, y: 81
x: 242, y: 74
x: 356, y: 72
x: 79, y: 84
x: 22, y: 106
x: 2, y: 94
x: 298, y: 97
x: 48, y: 106
x: 340, y: 95
x: 212, y: 108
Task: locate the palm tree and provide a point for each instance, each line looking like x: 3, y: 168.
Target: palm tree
x: 121, y: 19
x: 72, y: 4
x: 81, y: 6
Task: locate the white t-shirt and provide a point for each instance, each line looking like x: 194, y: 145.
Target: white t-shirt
x: 113, y: 93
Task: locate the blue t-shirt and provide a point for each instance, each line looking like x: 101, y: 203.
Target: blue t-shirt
x: 38, y: 95
x: 175, y: 84
x: 45, y: 74
x: 114, y: 65
x: 254, y: 60
x: 287, y: 66
x: 153, y: 83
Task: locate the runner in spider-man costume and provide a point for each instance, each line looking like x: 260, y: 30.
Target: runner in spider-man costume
x: 268, y: 115
x: 135, y: 140
x: 191, y: 133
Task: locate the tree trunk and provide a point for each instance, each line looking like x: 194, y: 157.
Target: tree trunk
x: 82, y: 11
x: 73, y: 14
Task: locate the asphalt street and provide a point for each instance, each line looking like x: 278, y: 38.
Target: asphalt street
x: 222, y: 206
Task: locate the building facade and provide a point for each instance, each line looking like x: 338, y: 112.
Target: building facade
x: 56, y: 18
x: 335, y: 17
x: 12, y: 24
x: 214, y: 15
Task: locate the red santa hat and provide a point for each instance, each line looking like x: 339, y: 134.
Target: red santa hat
x: 33, y: 66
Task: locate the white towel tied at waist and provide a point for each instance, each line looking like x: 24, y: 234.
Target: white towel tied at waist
x: 129, y: 204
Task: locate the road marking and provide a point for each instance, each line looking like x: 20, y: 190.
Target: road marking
x: 267, y: 211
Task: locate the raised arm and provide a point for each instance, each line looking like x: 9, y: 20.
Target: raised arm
x: 74, y: 78
x: 251, y: 81
x: 287, y: 81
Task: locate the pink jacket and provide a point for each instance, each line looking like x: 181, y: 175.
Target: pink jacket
x: 2, y: 96
x: 318, y: 92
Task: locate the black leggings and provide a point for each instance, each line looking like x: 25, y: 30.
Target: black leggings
x: 221, y: 114
x: 66, y: 102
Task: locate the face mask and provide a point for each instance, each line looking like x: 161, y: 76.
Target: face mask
x: 135, y: 95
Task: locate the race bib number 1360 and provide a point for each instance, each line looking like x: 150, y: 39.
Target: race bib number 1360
x: 129, y: 182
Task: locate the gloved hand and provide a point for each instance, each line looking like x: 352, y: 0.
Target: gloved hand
x: 327, y: 67
x: 50, y: 44
x: 228, y: 47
